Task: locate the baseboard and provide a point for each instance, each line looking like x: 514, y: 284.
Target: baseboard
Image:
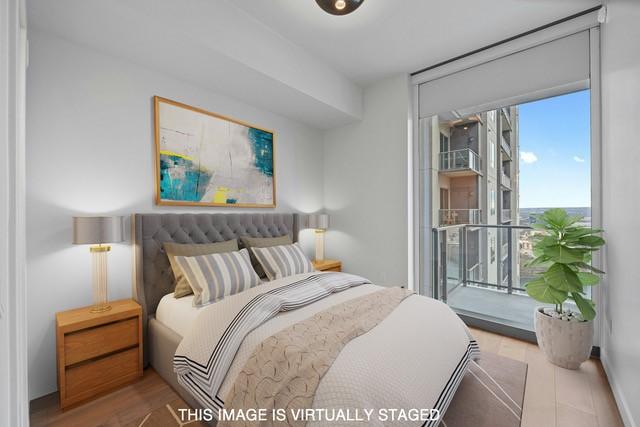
x: 622, y: 403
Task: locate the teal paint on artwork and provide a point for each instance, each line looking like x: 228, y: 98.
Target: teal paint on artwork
x: 181, y: 179
x: 262, y: 145
x: 232, y: 201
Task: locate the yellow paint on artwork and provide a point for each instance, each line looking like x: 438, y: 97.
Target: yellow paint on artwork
x: 171, y: 153
x: 221, y: 195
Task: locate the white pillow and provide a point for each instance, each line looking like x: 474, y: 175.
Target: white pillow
x: 214, y: 276
x: 283, y: 261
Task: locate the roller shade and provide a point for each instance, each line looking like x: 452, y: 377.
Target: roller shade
x: 549, y: 69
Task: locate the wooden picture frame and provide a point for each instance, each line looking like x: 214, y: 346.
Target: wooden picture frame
x: 189, y: 169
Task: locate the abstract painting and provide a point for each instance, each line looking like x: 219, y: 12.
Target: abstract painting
x: 205, y: 159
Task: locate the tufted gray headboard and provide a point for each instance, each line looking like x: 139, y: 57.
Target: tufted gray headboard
x: 152, y: 274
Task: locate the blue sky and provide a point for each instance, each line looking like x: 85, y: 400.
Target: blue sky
x: 555, y: 152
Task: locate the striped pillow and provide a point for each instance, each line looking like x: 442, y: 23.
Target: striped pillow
x: 283, y: 261
x: 215, y: 276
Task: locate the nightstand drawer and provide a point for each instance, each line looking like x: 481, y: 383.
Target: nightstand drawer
x: 88, y: 379
x: 89, y: 343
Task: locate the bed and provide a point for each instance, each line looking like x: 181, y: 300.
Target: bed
x: 419, y: 353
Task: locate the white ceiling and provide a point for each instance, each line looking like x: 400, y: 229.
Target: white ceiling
x: 288, y: 56
x: 384, y: 37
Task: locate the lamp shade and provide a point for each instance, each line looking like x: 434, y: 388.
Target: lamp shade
x: 92, y: 230
x: 319, y: 221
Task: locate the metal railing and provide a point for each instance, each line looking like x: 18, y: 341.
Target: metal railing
x: 462, y: 159
x: 451, y: 245
x: 459, y: 216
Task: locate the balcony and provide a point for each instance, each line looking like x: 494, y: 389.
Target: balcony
x: 460, y: 162
x: 505, y: 120
x: 501, y: 301
x: 505, y: 215
x: 505, y: 144
x: 505, y: 180
x: 459, y: 216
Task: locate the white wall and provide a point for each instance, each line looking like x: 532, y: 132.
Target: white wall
x: 213, y: 44
x: 90, y: 150
x: 621, y: 204
x: 366, y: 186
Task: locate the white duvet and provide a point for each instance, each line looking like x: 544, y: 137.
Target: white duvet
x: 411, y: 362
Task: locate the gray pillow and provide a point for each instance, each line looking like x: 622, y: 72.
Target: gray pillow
x: 262, y: 242
x: 192, y: 249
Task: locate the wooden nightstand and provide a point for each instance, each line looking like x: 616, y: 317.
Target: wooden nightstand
x: 327, y: 265
x: 98, y: 352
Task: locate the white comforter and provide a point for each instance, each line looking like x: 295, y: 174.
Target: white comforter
x: 414, y: 359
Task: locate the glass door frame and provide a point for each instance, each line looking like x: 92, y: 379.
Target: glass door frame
x: 421, y: 178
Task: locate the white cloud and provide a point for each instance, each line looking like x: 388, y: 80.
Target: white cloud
x: 528, y: 157
x: 578, y: 159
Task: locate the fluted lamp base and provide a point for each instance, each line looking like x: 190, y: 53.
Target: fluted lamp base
x: 99, y: 278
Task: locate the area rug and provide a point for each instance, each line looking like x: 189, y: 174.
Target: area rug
x: 490, y: 395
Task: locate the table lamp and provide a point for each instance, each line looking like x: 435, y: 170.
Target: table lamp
x: 320, y: 222
x: 96, y: 231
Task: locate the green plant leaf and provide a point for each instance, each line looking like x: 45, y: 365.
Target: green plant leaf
x: 543, y: 259
x: 540, y: 290
x: 562, y: 278
x: 586, y: 306
x: 546, y: 241
x: 564, y: 255
x: 577, y: 232
x: 591, y: 241
x: 588, y: 279
x: 556, y: 217
x: 589, y: 267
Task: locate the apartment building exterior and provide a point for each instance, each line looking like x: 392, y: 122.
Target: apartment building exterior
x: 475, y: 182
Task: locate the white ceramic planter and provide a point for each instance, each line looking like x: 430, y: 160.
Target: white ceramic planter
x: 566, y: 344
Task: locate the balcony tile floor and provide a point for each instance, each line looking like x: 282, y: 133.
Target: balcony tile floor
x: 513, y: 310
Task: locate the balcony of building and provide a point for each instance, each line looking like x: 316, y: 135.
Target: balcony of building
x: 460, y: 162
x: 505, y: 215
x: 505, y: 120
x: 505, y: 145
x: 505, y: 180
x: 459, y: 216
x: 460, y: 276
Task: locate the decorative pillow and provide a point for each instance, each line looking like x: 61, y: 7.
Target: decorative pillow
x: 192, y: 249
x: 283, y: 261
x: 215, y: 276
x: 262, y: 242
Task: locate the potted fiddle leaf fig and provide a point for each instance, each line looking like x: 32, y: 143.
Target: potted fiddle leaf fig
x: 563, y: 249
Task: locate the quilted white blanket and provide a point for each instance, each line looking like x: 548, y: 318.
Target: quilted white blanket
x: 413, y: 360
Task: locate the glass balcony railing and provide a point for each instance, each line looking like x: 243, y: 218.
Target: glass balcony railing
x: 458, y: 160
x: 506, y: 146
x: 505, y: 215
x: 505, y: 117
x: 460, y: 216
x: 481, y: 271
x: 505, y: 180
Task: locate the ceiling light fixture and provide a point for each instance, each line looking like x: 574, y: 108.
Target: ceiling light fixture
x: 339, y: 7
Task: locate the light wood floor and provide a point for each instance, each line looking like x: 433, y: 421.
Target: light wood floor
x: 554, y: 397
x: 121, y: 408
